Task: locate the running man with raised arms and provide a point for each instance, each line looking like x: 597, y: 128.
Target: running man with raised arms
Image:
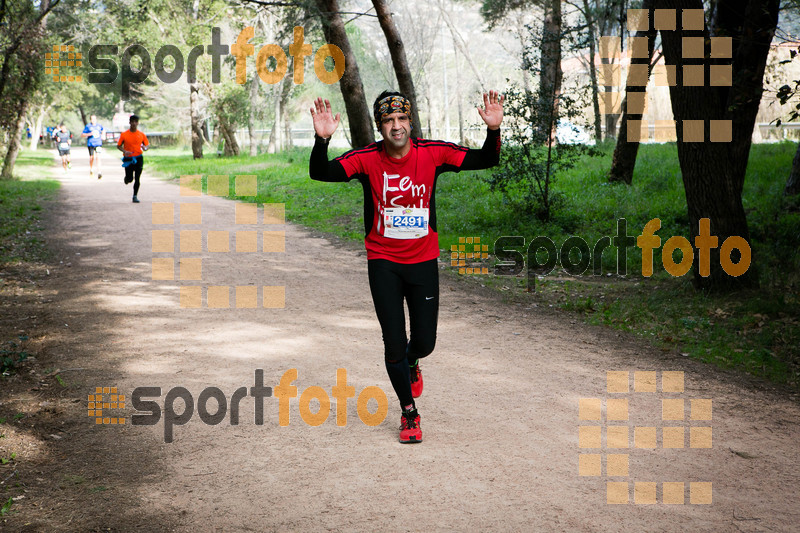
x: 398, y: 175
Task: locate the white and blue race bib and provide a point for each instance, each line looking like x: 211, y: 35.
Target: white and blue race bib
x: 405, y: 222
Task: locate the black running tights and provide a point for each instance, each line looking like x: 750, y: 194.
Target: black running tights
x: 418, y: 284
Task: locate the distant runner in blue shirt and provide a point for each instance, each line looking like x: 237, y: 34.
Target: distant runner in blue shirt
x: 95, y: 132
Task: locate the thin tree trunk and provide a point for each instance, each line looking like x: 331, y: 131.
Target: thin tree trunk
x: 194, y: 101
x: 31, y: 127
x: 287, y: 129
x: 82, y: 113
x: 461, y: 140
x: 37, y: 129
x: 759, y: 20
x: 551, y: 74
x: 251, y: 119
x: 611, y: 118
x: 625, y: 151
x: 228, y: 134
x: 605, y: 19
x: 793, y: 183
x: 590, y: 24
x: 525, y: 68
x: 286, y: 91
x: 194, y: 111
x: 271, y: 144
x: 445, y: 95
x: 355, y: 102
x: 275, y: 133
x: 404, y: 79
x: 7, y: 62
x: 430, y: 111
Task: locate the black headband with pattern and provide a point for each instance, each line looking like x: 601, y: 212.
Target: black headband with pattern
x: 392, y: 104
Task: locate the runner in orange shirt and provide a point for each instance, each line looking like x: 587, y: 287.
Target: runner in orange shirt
x: 132, y: 143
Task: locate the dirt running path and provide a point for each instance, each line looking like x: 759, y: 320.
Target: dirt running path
x: 499, y: 411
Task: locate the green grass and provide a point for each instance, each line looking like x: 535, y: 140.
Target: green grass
x: 757, y: 331
x: 21, y: 204
x: 282, y: 178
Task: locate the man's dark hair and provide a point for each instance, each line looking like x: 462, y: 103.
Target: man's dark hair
x: 134, y: 117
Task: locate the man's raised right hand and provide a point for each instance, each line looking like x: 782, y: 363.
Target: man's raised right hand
x: 324, y: 121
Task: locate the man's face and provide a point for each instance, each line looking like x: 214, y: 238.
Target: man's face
x: 93, y: 119
x: 134, y: 125
x: 396, y: 129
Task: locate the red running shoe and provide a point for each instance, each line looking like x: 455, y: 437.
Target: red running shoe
x: 416, y: 381
x: 409, y: 427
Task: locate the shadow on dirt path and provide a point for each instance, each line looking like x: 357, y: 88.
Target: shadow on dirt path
x: 500, y: 411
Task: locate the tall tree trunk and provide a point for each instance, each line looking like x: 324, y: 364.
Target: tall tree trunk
x: 551, y: 74
x: 713, y: 172
x: 611, y: 118
x: 430, y: 111
x: 399, y: 62
x: 275, y: 132
x: 82, y: 113
x: 7, y: 62
x: 14, y: 144
x: 359, y: 114
x: 194, y: 101
x: 30, y: 124
x: 461, y: 138
x: 625, y: 151
x: 590, y: 25
x: 605, y: 20
x: 251, y: 119
x: 445, y: 94
x: 286, y: 91
x: 793, y: 183
x: 288, y: 143
x: 228, y: 134
x: 15, y: 139
x: 37, y: 128
x: 523, y: 32
x: 758, y: 20
x: 194, y: 112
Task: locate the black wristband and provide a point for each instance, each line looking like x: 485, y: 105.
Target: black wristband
x: 325, y: 140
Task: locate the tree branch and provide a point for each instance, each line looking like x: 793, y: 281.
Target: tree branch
x: 295, y: 4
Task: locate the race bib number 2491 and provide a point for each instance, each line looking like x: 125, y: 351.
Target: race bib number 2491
x: 405, y: 222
